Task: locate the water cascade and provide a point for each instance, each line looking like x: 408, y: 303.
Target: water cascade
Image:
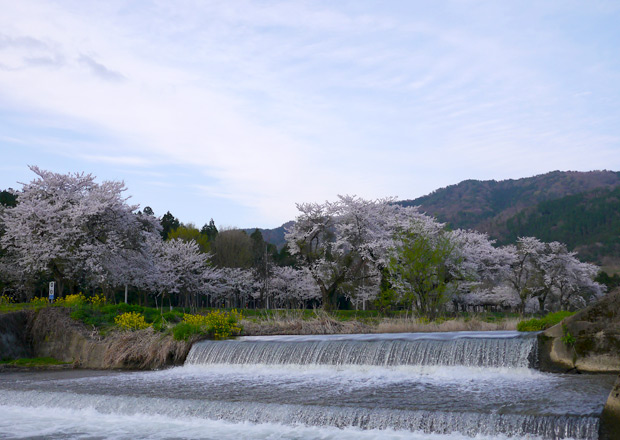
x: 463, y: 349
x: 418, y: 386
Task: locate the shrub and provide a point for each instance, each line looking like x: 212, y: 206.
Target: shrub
x: 131, y: 321
x: 5, y: 299
x: 538, y: 324
x: 97, y: 300
x: 217, y: 324
x: 183, y: 331
x: 567, y: 338
x: 71, y: 301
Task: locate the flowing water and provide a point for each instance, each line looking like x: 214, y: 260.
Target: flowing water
x: 395, y: 386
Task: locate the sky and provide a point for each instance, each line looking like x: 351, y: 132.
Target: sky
x: 237, y: 110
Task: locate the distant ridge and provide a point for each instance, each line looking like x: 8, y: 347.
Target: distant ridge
x: 274, y: 236
x: 581, y: 209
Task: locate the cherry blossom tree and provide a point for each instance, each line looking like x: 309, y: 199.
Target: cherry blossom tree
x: 538, y: 270
x: 67, y: 225
x: 289, y: 286
x: 180, y: 268
x: 566, y: 278
x: 344, y: 243
x: 237, y: 287
x: 524, y: 274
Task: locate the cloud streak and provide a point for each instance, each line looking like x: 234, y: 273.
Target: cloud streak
x: 265, y: 104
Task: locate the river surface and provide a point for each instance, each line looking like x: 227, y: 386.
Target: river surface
x: 442, y: 386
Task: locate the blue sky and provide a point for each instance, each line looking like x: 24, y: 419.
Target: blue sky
x: 235, y: 110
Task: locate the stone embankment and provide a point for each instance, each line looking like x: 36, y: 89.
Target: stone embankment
x: 52, y: 332
x: 589, y: 342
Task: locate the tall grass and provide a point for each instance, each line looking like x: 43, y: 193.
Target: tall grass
x: 320, y: 322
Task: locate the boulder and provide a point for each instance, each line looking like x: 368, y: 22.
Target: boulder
x: 610, y: 419
x: 588, y: 341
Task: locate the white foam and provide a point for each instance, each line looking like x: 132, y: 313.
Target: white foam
x: 54, y: 423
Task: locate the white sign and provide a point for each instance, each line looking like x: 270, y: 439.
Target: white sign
x: 51, y: 296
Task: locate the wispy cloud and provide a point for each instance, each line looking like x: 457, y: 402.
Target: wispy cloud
x: 100, y: 70
x: 268, y: 103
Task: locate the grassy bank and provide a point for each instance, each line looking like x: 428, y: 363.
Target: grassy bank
x: 104, y: 318
x: 43, y: 362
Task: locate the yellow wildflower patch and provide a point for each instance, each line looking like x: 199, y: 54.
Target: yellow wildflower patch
x: 131, y: 321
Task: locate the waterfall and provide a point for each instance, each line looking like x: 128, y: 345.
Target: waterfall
x: 501, y: 352
x: 436, y: 422
x: 445, y: 386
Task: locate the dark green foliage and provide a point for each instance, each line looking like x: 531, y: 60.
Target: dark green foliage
x: 538, y: 324
x: 209, y: 230
x: 610, y: 281
x: 168, y: 223
x: 8, y: 199
x: 284, y: 257
x: 590, y: 219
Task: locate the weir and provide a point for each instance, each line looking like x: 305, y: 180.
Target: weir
x: 508, y: 351
x: 436, y: 422
x: 451, y: 385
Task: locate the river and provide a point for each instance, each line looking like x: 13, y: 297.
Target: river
x: 442, y: 386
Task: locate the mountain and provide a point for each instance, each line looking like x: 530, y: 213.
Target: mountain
x: 274, y: 236
x: 581, y: 209
x: 588, y: 223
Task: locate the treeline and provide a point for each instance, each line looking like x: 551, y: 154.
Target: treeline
x: 347, y: 253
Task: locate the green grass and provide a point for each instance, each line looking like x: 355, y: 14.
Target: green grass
x: 547, y: 321
x: 102, y: 317
x: 33, y: 362
x: 14, y: 307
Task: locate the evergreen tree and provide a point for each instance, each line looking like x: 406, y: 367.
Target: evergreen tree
x: 168, y: 223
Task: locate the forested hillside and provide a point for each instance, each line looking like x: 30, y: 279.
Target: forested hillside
x: 588, y: 223
x: 580, y: 209
x: 474, y: 203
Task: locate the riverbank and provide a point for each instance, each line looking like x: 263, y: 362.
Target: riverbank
x: 51, y: 332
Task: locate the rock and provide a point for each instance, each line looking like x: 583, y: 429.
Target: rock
x: 55, y: 334
x: 610, y: 419
x: 14, y: 341
x: 595, y: 331
x: 595, y: 348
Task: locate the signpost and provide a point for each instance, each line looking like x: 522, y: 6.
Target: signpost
x: 51, y: 295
